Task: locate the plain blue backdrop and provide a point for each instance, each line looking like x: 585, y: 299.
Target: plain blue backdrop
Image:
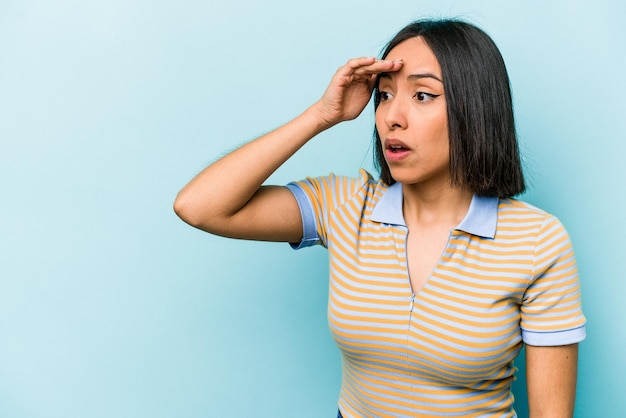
x: 112, y: 307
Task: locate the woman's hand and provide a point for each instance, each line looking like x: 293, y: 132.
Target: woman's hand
x: 351, y: 88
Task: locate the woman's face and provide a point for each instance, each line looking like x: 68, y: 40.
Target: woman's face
x: 412, y: 119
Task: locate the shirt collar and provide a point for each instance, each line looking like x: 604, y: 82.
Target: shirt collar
x: 481, y: 218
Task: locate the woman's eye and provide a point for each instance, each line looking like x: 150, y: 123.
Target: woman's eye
x: 425, y: 97
x: 384, y: 96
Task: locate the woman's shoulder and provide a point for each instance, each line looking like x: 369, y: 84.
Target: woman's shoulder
x: 364, y: 180
x: 340, y: 189
x: 519, y: 211
x: 521, y: 206
x: 363, y: 177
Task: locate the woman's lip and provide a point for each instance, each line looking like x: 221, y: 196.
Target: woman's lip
x: 395, y: 150
x: 395, y: 156
x: 390, y: 143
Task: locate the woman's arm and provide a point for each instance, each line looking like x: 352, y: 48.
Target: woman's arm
x: 551, y: 380
x: 227, y: 197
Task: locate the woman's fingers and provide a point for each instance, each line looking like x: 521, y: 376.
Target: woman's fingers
x: 355, y: 63
x: 367, y: 66
x: 351, y: 88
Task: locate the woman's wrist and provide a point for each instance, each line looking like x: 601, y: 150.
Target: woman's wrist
x: 318, y: 118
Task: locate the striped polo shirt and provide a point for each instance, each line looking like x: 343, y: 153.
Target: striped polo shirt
x: 507, y: 276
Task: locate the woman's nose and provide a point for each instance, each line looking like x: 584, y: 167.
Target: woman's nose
x: 395, y: 116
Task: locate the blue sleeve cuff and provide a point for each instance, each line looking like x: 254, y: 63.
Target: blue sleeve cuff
x: 309, y: 225
x: 546, y: 339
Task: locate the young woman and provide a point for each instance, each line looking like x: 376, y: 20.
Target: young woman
x: 438, y: 276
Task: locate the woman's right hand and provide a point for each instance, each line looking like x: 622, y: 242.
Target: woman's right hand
x: 351, y: 87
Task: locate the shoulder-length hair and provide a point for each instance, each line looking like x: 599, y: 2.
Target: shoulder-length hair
x: 484, y: 154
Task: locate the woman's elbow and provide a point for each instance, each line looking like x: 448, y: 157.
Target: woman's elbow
x: 186, y: 210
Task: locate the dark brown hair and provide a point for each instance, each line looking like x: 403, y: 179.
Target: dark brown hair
x: 484, y: 154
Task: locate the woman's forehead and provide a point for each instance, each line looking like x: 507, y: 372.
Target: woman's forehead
x: 417, y: 58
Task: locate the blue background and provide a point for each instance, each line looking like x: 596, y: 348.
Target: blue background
x: 112, y: 307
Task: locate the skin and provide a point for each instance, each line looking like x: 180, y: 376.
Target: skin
x: 412, y: 113
x: 551, y: 380
x: 225, y: 200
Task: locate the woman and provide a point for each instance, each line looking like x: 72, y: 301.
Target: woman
x: 438, y: 276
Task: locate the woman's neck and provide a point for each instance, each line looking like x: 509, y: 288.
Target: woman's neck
x: 441, y: 205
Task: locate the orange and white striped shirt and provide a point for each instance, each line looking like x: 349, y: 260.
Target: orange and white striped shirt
x: 507, y: 276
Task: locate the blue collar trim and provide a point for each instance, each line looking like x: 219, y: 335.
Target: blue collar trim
x: 481, y: 218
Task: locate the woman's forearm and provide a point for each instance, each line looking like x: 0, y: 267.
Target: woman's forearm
x: 222, y: 189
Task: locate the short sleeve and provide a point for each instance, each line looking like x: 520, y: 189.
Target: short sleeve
x: 319, y: 197
x: 309, y: 224
x: 551, y: 312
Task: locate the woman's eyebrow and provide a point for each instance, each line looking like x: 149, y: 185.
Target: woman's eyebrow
x: 412, y: 77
